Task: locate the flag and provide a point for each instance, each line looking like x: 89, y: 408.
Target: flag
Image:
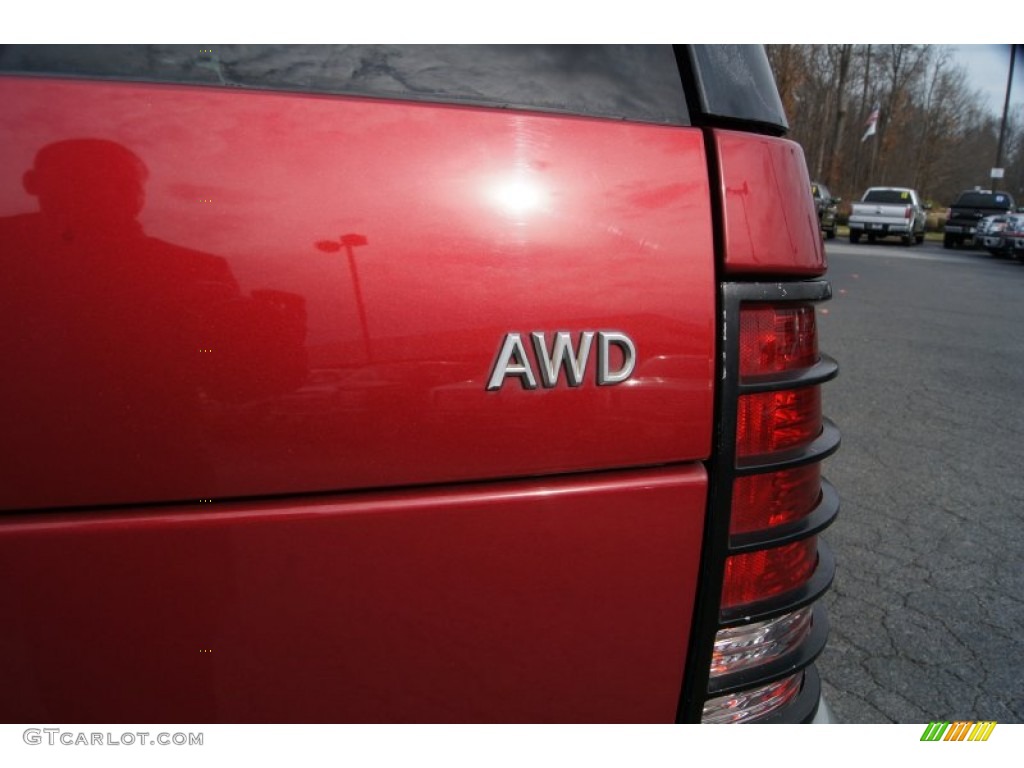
x: 872, y: 123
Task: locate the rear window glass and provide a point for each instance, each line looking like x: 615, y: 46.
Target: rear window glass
x: 631, y: 82
x: 897, y: 196
x: 985, y: 200
x: 736, y: 83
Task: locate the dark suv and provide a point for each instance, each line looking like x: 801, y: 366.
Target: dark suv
x: 970, y: 207
x: 826, y: 206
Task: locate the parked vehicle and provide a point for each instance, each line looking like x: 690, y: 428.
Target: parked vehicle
x: 970, y: 207
x: 989, y: 235
x: 408, y: 384
x: 1013, y: 235
x: 827, y: 207
x: 888, y: 212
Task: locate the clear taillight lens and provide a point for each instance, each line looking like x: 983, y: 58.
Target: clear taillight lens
x: 749, y: 645
x: 744, y: 706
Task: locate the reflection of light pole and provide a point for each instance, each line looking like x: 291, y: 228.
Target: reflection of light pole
x: 1002, y: 127
x: 351, y: 241
x: 348, y: 242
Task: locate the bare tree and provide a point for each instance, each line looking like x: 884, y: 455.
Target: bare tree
x: 934, y: 132
x: 845, y: 54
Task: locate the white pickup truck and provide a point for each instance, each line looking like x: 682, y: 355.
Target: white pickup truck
x: 888, y: 212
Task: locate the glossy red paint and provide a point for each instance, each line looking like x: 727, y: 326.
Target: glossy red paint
x: 562, y: 601
x: 771, y: 226
x: 215, y: 293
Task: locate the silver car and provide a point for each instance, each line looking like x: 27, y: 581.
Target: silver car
x: 1013, y: 235
x: 989, y: 235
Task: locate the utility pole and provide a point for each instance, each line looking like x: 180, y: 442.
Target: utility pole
x: 998, y: 167
x: 863, y: 105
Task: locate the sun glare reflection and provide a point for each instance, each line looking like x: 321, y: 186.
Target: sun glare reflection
x: 518, y: 196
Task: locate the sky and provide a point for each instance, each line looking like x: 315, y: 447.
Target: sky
x: 987, y: 69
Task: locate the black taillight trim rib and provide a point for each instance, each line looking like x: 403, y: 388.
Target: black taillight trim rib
x: 824, y: 370
x: 795, y: 599
x: 823, y: 446
x: 820, y: 518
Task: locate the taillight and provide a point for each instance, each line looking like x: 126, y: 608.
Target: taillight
x: 768, y: 503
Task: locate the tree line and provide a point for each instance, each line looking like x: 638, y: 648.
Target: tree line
x: 933, y: 132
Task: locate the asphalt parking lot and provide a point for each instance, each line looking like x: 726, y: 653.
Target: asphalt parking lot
x: 927, y: 608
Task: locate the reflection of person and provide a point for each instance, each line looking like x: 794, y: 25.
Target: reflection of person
x: 118, y: 337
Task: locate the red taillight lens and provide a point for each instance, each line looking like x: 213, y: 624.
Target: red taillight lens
x: 774, y: 421
x: 766, y: 500
x: 774, y: 339
x: 766, y: 573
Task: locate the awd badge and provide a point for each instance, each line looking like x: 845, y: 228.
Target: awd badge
x: 514, y: 359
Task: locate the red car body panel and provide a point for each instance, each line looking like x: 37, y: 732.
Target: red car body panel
x: 562, y: 600
x: 292, y: 294
x: 248, y: 446
x: 763, y: 237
